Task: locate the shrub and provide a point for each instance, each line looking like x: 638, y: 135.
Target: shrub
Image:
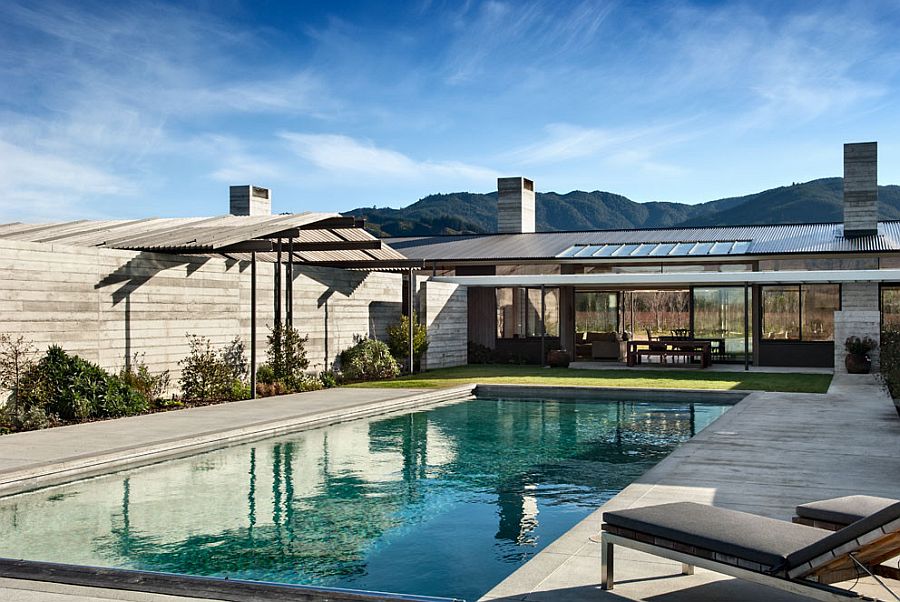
x: 368, y: 360
x: 890, y: 361
x: 16, y: 357
x: 69, y: 388
x: 209, y: 375
x: 859, y: 346
x: 234, y: 355
x: 265, y: 374
x: 287, y: 356
x: 138, y: 376
x: 398, y: 341
x: 328, y: 379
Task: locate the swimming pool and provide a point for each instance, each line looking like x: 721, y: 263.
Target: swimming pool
x: 445, y: 501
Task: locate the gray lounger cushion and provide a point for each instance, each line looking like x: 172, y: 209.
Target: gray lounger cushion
x: 843, y: 510
x: 747, y: 536
x: 845, y: 535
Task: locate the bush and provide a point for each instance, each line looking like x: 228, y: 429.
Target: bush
x: 63, y: 387
x: 328, y: 379
x: 287, y: 357
x: 857, y: 346
x: 211, y: 375
x: 398, y: 341
x: 16, y: 357
x: 890, y: 361
x: 368, y: 360
x: 265, y: 374
x: 138, y: 376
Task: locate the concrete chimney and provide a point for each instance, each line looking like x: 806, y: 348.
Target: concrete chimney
x: 515, y: 205
x: 860, y: 189
x: 250, y: 200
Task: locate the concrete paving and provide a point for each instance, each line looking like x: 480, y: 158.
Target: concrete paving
x: 766, y: 455
x: 648, y: 364
x: 41, y: 458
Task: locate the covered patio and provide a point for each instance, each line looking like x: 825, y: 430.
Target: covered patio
x: 742, y: 318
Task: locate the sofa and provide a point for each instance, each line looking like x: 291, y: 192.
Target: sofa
x: 600, y: 345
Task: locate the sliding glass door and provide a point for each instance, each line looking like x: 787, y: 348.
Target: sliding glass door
x: 719, y: 314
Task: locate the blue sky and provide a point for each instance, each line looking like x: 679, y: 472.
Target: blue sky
x: 121, y: 109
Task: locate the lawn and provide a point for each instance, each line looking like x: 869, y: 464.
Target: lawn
x: 650, y: 379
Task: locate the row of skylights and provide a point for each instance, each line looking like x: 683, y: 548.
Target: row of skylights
x: 661, y: 249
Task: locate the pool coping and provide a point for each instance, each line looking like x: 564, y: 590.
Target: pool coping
x: 48, y: 474
x: 211, y: 588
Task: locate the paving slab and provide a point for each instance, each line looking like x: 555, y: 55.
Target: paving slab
x: 769, y: 453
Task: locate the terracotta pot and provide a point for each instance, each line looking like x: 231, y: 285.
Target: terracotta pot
x: 558, y: 358
x: 857, y: 363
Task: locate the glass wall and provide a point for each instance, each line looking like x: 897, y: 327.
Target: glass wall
x: 596, y: 311
x: 890, y: 306
x: 658, y: 313
x: 719, y: 314
x: 800, y: 312
x: 519, y: 312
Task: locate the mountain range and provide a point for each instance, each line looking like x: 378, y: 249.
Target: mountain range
x: 473, y: 213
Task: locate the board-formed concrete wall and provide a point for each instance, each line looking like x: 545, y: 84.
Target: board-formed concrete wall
x: 443, y: 307
x: 106, y: 305
x: 859, y: 316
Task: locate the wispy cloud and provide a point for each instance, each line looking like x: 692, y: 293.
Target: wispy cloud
x: 119, y: 90
x: 774, y: 69
x: 47, y: 187
x: 491, y: 36
x: 348, y: 156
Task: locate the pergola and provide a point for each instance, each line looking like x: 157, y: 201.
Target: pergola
x: 317, y: 239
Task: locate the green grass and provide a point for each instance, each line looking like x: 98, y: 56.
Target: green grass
x: 650, y: 379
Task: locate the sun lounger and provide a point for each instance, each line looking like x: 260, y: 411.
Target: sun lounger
x: 789, y: 556
x: 837, y: 513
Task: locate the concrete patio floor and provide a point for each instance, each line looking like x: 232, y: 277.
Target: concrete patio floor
x: 655, y: 365
x: 767, y: 454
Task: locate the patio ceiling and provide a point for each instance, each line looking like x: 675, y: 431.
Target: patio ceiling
x: 676, y: 278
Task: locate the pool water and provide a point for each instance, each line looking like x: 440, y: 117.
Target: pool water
x: 446, y: 501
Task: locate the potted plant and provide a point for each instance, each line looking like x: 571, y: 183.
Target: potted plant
x: 857, y: 358
x: 558, y: 358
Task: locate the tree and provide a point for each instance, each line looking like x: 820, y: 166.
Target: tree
x: 16, y: 357
x: 398, y: 341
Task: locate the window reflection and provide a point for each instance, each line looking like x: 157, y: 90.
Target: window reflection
x: 800, y: 313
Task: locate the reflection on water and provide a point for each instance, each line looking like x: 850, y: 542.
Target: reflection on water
x: 446, y: 501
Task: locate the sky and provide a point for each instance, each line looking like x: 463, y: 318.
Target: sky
x: 135, y: 109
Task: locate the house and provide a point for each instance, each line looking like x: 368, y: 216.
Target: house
x: 769, y: 295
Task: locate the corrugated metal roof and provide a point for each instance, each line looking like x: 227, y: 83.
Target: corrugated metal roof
x: 201, y: 235
x: 761, y: 240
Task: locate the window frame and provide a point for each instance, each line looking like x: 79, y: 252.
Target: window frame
x: 799, y: 287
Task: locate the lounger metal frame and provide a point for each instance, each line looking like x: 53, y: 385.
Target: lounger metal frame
x: 795, y: 585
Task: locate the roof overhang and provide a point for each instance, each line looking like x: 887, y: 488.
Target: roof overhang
x: 676, y: 278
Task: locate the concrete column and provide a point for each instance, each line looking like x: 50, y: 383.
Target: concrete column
x: 515, y: 205
x: 250, y: 200
x: 443, y: 308
x: 859, y: 316
x: 860, y: 189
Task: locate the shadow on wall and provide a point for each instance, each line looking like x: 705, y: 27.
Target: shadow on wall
x: 135, y: 273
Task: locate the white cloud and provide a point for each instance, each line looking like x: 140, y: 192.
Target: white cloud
x: 40, y: 186
x: 348, y: 156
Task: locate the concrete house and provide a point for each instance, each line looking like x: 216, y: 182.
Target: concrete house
x: 774, y: 295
